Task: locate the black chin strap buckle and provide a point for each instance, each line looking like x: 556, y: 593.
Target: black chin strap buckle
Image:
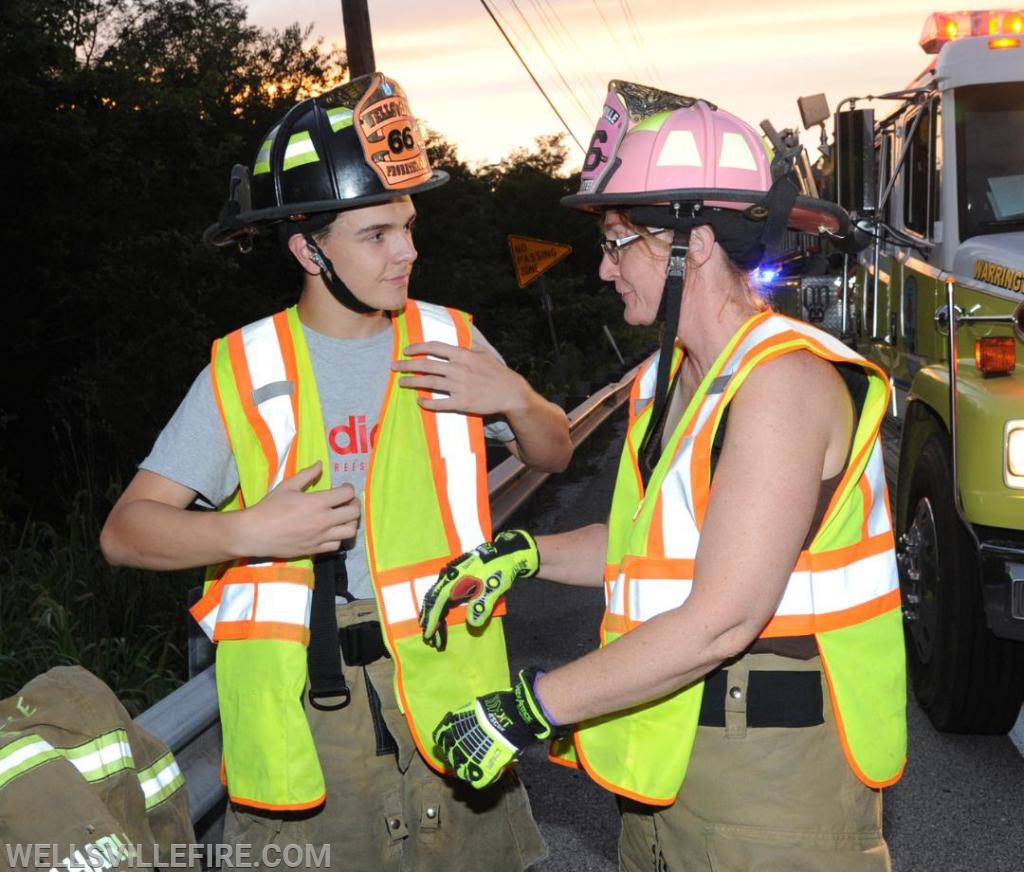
x: 677, y: 259
x: 339, y: 290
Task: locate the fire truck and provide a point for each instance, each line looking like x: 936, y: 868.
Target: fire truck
x: 933, y: 177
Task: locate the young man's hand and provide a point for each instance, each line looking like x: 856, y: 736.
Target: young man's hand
x: 470, y: 380
x: 293, y: 520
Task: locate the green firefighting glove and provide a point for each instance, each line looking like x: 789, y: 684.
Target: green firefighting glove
x: 486, y: 735
x: 482, y: 576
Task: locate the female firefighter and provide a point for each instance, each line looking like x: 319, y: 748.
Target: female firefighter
x: 747, y: 702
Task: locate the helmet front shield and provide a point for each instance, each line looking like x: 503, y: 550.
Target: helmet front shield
x: 356, y: 145
x: 626, y: 105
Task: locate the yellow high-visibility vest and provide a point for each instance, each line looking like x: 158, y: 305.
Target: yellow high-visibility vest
x: 426, y: 502
x: 843, y: 590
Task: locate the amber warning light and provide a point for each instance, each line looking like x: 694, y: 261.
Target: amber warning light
x: 995, y: 355
x: 1005, y: 26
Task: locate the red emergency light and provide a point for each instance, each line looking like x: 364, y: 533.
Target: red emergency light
x: 943, y: 27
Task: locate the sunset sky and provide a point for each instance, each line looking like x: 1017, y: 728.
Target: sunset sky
x: 751, y: 58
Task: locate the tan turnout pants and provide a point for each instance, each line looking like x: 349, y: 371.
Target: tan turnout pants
x: 762, y: 799
x: 392, y: 813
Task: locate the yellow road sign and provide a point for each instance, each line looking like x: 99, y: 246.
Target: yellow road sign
x: 532, y: 257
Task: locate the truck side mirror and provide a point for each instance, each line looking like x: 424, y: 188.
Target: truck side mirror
x: 856, y: 179
x: 813, y: 110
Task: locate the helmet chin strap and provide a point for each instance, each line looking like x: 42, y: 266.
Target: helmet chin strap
x: 339, y: 290
x: 671, y: 302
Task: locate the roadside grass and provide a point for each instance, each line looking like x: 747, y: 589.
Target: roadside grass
x: 61, y: 604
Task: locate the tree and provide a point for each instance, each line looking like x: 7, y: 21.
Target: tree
x: 120, y: 122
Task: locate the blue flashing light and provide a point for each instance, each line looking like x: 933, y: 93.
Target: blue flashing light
x: 765, y: 276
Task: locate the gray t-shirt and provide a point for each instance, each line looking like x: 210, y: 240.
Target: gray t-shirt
x: 351, y: 378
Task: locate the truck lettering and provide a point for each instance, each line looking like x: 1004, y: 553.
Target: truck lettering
x: 997, y: 274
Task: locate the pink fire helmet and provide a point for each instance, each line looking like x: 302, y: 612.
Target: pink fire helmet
x: 653, y: 148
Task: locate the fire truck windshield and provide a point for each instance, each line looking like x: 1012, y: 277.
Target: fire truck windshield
x: 990, y: 160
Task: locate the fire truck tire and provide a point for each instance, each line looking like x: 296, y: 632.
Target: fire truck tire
x: 966, y: 679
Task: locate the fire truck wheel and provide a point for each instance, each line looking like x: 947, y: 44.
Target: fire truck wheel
x: 966, y: 679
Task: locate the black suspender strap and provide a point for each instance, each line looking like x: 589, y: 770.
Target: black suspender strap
x: 327, y: 688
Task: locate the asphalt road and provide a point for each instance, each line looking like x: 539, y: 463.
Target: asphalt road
x: 958, y: 808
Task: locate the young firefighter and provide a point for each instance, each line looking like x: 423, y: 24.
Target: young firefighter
x: 357, y: 390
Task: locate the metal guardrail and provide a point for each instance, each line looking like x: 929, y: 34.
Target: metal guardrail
x: 187, y: 720
x: 511, y: 483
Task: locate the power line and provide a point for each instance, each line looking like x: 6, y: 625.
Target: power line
x: 628, y: 12
x: 590, y: 80
x: 533, y: 78
x: 611, y: 32
x: 550, y: 59
x: 561, y: 47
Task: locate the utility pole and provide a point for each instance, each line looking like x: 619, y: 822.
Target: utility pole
x: 358, y: 38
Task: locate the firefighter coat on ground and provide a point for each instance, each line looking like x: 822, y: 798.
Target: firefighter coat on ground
x: 82, y: 785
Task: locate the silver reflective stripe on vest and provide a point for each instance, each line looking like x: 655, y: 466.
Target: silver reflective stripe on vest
x: 677, y: 491
x: 402, y: 599
x: 284, y: 602
x: 820, y: 592
x: 453, y: 438
x: 266, y: 371
x: 236, y: 602
x: 827, y: 591
x: 644, y: 598
x: 209, y: 623
x: 279, y: 602
x: 648, y: 382
x: 879, y: 520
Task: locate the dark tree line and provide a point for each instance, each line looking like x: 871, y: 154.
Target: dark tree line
x: 119, y: 123
x: 120, y: 120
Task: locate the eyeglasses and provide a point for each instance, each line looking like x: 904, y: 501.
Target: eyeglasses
x: 612, y: 247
